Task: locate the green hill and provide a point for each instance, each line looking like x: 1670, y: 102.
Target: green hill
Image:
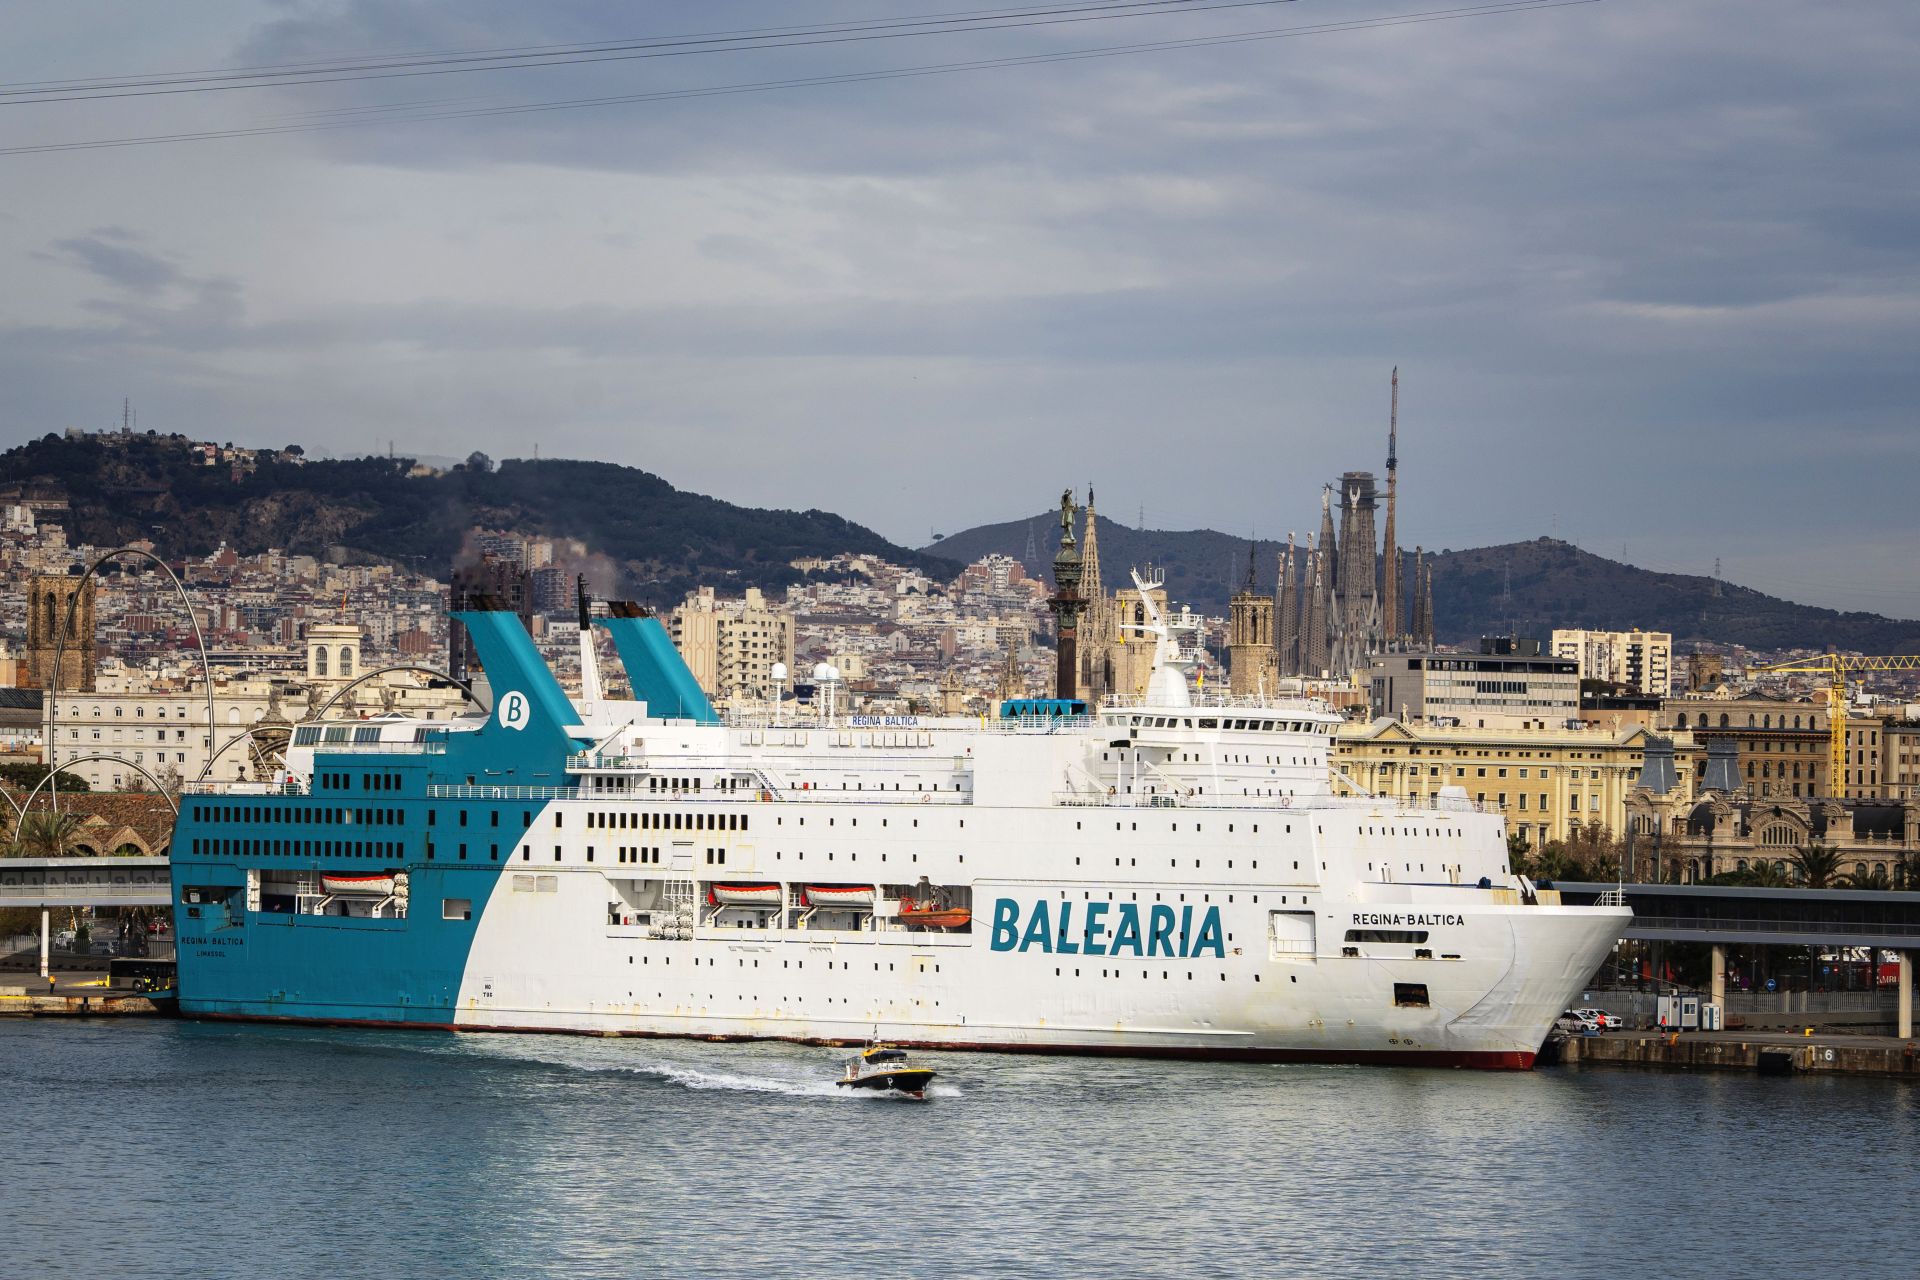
x: 1527, y: 587
x: 664, y: 540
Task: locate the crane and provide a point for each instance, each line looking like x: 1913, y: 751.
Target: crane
x: 1836, y: 667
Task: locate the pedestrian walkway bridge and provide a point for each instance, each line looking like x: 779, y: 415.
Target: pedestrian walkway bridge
x: 84, y: 882
x: 1728, y: 915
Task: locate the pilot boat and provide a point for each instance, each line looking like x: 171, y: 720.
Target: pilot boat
x: 886, y: 1069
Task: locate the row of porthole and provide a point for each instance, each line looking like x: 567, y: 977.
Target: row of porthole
x: 661, y: 995
x: 1165, y: 974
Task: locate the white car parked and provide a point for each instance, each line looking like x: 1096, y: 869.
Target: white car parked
x: 1601, y: 1018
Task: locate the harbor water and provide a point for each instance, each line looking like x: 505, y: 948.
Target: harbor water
x: 184, y: 1149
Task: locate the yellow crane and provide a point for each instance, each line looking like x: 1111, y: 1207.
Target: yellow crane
x: 1836, y: 667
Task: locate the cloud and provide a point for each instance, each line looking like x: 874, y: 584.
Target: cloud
x: 109, y: 253
x: 1651, y: 272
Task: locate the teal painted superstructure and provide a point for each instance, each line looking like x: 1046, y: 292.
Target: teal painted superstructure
x: 445, y: 813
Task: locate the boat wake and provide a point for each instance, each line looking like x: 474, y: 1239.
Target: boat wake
x: 705, y: 1078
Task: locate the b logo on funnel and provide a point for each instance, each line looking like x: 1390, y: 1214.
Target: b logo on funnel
x: 515, y: 711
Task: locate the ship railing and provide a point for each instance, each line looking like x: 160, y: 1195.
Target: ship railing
x: 789, y: 795
x: 430, y: 747
x: 590, y: 761
x: 1322, y: 800
x: 1208, y: 700
x: 239, y: 787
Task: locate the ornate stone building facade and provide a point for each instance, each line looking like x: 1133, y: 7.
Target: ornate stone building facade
x: 1687, y: 828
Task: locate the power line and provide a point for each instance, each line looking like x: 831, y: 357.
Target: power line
x: 607, y: 51
x: 381, y: 59
x: 1499, y: 7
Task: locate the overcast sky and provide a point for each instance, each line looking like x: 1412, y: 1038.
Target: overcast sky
x: 1650, y: 268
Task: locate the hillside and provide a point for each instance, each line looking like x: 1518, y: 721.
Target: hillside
x: 1528, y: 587
x: 663, y: 541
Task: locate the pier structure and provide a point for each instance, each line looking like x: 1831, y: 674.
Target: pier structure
x: 1723, y: 916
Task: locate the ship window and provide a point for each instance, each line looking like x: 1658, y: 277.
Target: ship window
x: 1410, y: 995
x: 456, y: 908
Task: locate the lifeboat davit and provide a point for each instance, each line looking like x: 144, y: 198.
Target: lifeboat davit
x: 844, y: 897
x: 929, y: 916
x: 743, y: 895
x: 379, y: 883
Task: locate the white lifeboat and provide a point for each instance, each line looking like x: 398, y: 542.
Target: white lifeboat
x: 376, y: 883
x: 744, y: 895
x: 844, y: 897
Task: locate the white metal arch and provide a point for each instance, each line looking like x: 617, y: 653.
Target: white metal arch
x: 139, y: 769
x: 248, y: 733
x: 60, y: 648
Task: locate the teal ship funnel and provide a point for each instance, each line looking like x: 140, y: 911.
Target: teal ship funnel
x: 659, y: 676
x: 526, y: 697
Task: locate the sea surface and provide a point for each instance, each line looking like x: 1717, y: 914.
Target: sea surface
x: 198, y: 1150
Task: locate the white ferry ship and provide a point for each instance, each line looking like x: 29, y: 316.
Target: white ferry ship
x: 1174, y: 877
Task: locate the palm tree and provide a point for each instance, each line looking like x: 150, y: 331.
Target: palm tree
x: 1817, y: 864
x: 1874, y: 879
x: 47, y: 834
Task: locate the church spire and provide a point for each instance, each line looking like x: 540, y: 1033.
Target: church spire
x: 1011, y: 686
x: 1288, y: 587
x: 1094, y: 630
x: 1313, y: 640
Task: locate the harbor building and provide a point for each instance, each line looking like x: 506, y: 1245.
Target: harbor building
x: 1508, y: 684
x: 1638, y: 660
x: 1780, y: 745
x: 1688, y: 828
x: 1544, y: 780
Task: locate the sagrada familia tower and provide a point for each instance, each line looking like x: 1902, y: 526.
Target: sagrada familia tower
x: 1336, y: 604
x: 1342, y: 602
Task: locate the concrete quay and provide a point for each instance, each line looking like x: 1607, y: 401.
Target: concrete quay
x: 1767, y: 1053
x: 75, y: 997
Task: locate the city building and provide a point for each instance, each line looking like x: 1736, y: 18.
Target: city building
x: 731, y: 646
x: 1509, y: 683
x: 1638, y: 660
x: 489, y: 582
x: 160, y: 726
x: 1545, y: 780
x: 1687, y: 829
x: 1781, y: 745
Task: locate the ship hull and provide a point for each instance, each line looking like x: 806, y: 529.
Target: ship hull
x: 1494, y: 977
